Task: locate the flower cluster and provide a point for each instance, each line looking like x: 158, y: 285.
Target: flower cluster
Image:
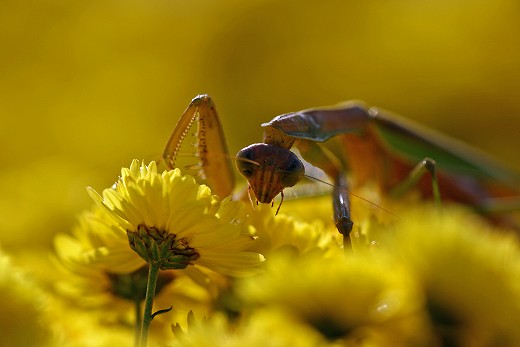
x: 238, y: 276
x: 432, y: 280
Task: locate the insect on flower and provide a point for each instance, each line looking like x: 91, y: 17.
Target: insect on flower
x: 366, y: 142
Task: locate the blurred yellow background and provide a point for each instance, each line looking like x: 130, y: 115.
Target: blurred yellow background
x: 85, y: 86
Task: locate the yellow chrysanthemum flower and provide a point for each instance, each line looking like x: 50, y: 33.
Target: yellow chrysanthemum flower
x: 283, y: 231
x: 349, y: 299
x: 185, y: 223
x: 262, y: 328
x: 96, y: 254
x: 95, y: 280
x: 470, y: 275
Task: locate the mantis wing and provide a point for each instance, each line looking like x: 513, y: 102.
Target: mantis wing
x: 395, y: 138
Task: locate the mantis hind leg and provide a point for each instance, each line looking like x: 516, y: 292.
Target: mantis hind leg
x: 494, y: 208
x: 427, y: 165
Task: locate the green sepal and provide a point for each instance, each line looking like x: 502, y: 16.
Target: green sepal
x: 161, y: 247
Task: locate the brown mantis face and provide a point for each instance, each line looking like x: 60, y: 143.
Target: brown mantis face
x: 269, y: 169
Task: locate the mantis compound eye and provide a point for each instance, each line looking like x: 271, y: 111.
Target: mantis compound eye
x: 292, y: 172
x: 246, y: 164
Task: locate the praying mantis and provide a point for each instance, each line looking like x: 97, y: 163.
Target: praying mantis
x: 366, y: 143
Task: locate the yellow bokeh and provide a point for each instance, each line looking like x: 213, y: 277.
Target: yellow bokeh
x: 86, y: 86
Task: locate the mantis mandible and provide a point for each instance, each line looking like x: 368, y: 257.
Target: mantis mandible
x: 371, y: 144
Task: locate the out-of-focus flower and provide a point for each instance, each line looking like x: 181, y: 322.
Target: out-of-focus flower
x: 470, y: 275
x: 262, y: 328
x: 76, y: 327
x: 348, y: 299
x: 23, y: 309
x: 187, y: 223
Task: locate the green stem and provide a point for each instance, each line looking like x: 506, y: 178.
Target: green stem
x: 153, y: 274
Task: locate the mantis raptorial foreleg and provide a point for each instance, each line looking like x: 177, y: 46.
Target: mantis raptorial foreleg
x: 320, y: 157
x: 211, y: 147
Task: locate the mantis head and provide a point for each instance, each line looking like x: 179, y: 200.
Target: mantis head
x: 269, y: 169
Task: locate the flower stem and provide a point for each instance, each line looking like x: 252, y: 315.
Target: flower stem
x: 153, y: 274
